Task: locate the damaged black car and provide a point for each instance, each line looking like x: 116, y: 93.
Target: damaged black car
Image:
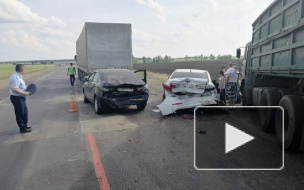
x: 116, y: 88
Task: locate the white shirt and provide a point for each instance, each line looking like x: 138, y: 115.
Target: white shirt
x: 17, y: 82
x: 233, y: 76
x: 222, y: 83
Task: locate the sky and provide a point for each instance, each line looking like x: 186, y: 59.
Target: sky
x: 48, y: 29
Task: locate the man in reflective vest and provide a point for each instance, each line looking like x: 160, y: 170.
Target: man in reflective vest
x: 72, y: 73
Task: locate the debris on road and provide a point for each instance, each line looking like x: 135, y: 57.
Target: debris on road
x: 130, y: 140
x: 121, y: 148
x: 201, y: 131
x: 170, y: 174
x: 188, y: 117
x: 156, y: 110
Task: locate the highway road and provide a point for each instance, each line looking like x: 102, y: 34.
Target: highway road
x: 123, y: 149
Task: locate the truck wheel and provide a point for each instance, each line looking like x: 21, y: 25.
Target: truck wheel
x: 141, y: 107
x: 269, y: 97
x: 97, y: 106
x: 293, y: 121
x: 246, y: 93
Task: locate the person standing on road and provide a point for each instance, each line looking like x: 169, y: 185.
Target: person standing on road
x: 18, y: 93
x: 231, y: 79
x: 72, y: 73
x: 222, y: 86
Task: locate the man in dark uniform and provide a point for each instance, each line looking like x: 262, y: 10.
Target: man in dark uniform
x: 18, y: 93
x: 72, y: 73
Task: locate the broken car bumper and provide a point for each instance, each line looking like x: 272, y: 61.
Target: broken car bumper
x: 172, y: 104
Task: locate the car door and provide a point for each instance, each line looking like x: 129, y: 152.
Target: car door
x: 89, y: 94
x: 95, y: 85
x: 142, y: 74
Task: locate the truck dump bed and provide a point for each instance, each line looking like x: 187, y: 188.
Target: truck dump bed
x: 278, y: 40
x: 104, y: 46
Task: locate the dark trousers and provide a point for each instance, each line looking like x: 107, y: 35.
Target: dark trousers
x: 20, y: 111
x: 72, y: 79
x: 223, y: 96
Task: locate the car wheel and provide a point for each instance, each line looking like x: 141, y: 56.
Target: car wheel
x: 293, y: 121
x: 97, y: 106
x: 85, y: 99
x: 141, y: 107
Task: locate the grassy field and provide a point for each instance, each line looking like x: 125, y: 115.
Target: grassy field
x: 7, y: 70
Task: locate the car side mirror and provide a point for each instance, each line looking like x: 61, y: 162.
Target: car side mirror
x: 85, y: 79
x: 238, y: 53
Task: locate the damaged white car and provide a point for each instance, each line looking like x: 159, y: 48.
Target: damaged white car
x: 188, y: 88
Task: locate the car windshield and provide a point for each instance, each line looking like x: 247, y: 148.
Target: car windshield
x: 120, y: 77
x: 189, y: 74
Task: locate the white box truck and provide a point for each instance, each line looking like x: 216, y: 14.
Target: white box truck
x: 103, y: 46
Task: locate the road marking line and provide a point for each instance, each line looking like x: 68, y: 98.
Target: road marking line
x: 99, y: 170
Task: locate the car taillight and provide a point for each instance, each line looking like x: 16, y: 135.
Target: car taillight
x: 166, y: 87
x: 172, y: 85
x: 200, y: 86
x: 140, y: 89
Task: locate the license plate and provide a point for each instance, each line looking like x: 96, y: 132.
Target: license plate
x: 125, y: 89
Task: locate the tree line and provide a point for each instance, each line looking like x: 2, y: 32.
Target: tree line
x: 166, y: 59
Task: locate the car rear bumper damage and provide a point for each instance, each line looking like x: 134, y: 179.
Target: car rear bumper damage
x: 124, y: 101
x: 172, y: 104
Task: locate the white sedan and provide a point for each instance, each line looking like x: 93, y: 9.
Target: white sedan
x: 188, y: 88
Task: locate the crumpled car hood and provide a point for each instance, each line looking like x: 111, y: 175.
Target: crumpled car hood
x: 188, y: 85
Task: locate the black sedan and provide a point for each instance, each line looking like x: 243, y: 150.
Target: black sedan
x: 116, y: 88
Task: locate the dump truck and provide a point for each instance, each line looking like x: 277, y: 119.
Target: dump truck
x: 274, y: 70
x: 103, y: 46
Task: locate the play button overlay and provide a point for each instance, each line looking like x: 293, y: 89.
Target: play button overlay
x: 233, y: 140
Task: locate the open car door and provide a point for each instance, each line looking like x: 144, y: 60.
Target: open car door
x: 142, y: 74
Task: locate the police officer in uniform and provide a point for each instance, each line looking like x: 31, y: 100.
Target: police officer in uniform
x: 18, y: 93
x: 72, y: 73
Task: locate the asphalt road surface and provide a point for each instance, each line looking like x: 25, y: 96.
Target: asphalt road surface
x: 135, y: 150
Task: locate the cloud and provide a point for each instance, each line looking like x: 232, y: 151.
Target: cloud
x: 155, y: 6
x: 141, y: 35
x: 214, y: 5
x: 24, y: 40
x: 145, y: 43
x: 15, y: 11
x: 22, y: 29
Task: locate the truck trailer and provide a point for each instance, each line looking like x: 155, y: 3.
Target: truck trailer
x: 274, y: 70
x: 103, y: 46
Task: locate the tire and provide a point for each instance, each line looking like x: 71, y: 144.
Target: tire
x: 85, y: 99
x: 270, y: 97
x: 246, y: 93
x: 164, y: 97
x: 293, y: 121
x: 141, y: 107
x: 97, y: 106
